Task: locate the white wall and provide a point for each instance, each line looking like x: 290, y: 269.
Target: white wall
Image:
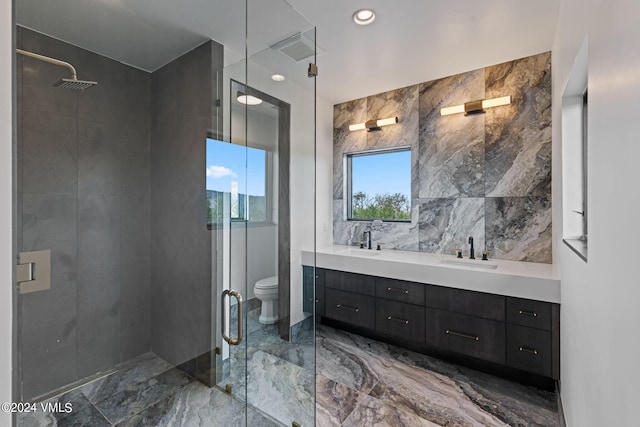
x: 324, y: 173
x: 297, y: 90
x: 6, y: 206
x: 260, y: 255
x: 599, y: 314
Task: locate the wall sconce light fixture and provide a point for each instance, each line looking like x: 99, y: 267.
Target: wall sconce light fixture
x: 476, y: 107
x: 375, y: 124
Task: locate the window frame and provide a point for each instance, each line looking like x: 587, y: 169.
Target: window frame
x: 585, y: 163
x: 348, y: 181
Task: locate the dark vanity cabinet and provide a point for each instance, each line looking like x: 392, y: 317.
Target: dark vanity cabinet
x: 466, y: 322
x: 349, y: 298
x: 313, y: 278
x: 533, y: 336
x: 400, y: 313
x: 515, y: 333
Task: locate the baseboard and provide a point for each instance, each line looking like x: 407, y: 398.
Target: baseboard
x: 561, y: 418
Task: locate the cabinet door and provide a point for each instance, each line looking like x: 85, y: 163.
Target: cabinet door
x: 529, y: 349
x: 320, y: 296
x: 525, y: 312
x: 478, y: 304
x: 308, y: 282
x: 472, y: 336
x: 313, y: 290
x: 400, y: 321
x: 399, y: 290
x: 350, y: 282
x: 354, y: 309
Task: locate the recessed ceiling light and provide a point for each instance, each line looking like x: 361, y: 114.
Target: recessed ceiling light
x: 278, y: 78
x: 248, y: 99
x: 364, y: 16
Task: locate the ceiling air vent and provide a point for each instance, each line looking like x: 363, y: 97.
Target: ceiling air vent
x: 298, y: 47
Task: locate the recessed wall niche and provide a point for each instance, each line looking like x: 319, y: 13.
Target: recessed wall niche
x: 484, y: 175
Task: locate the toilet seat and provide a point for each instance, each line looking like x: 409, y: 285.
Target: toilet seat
x: 267, y: 283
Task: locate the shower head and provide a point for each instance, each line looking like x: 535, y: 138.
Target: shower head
x: 74, y: 84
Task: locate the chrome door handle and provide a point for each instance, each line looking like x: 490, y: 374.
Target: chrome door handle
x: 529, y: 350
x: 528, y: 313
x: 462, y: 334
x: 231, y: 293
x: 404, y: 291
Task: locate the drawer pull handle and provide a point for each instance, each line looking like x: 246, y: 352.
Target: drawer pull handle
x: 404, y: 291
x: 356, y: 309
x: 317, y: 300
x: 405, y: 321
x: 528, y: 313
x: 529, y: 350
x: 463, y: 335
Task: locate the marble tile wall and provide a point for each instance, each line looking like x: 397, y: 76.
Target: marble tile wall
x: 484, y: 175
x: 84, y: 193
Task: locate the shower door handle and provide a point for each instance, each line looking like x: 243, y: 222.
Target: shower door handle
x: 231, y: 293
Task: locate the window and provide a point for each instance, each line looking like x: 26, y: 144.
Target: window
x: 379, y: 185
x: 575, y: 112
x: 240, y: 177
x: 585, y: 115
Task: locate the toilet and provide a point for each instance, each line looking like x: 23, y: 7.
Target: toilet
x: 266, y: 290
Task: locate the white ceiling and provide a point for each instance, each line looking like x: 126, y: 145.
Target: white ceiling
x: 411, y: 41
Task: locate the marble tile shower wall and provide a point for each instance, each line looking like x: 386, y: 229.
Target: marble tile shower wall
x: 84, y: 193
x: 486, y: 175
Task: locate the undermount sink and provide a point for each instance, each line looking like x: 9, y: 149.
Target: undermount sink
x: 361, y: 252
x: 470, y: 263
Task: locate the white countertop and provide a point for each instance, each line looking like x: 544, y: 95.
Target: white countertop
x: 511, y: 278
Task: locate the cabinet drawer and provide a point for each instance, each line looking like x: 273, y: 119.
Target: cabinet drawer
x: 487, y: 306
x: 399, y: 290
x: 525, y: 312
x: 529, y: 349
x: 350, y: 282
x: 355, y: 309
x: 472, y: 336
x: 397, y: 320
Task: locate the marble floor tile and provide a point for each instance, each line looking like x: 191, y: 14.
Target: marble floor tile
x: 123, y: 404
x: 345, y: 364
x: 430, y: 396
x: 359, y: 382
x: 127, y: 374
x: 334, y: 402
x: 83, y: 413
x: 199, y: 406
x: 374, y: 412
x: 282, y: 390
x: 416, y: 389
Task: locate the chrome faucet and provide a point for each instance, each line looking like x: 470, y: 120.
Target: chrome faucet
x: 367, y: 237
x: 471, y: 255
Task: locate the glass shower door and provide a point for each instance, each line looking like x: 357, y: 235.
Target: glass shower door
x: 265, y: 159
